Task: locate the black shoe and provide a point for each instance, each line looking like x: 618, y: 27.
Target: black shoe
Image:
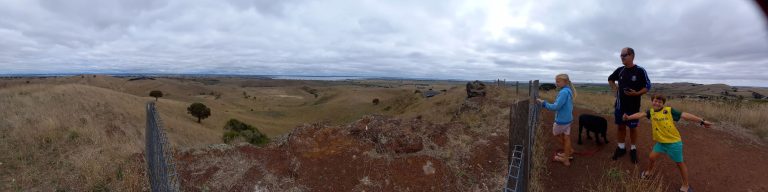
x: 618, y: 153
x: 633, y: 155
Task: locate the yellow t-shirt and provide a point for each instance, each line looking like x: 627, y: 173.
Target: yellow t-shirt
x: 664, y: 130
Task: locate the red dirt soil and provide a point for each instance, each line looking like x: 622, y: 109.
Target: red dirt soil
x: 373, y: 154
x: 716, y: 160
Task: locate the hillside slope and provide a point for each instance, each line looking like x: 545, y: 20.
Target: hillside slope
x: 81, y: 137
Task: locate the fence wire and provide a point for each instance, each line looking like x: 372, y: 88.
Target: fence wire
x: 161, y: 168
x: 524, y: 117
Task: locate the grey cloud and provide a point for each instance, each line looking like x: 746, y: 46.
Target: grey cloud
x: 700, y: 41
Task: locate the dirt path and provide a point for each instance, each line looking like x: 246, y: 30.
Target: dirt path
x: 717, y: 161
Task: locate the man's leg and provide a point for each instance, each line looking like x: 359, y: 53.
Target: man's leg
x: 621, y: 134
x: 632, y: 136
x: 632, y: 141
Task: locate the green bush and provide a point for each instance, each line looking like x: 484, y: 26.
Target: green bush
x: 239, y: 129
x: 229, y: 136
x: 235, y: 125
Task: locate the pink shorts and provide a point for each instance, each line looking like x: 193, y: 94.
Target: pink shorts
x: 561, y: 129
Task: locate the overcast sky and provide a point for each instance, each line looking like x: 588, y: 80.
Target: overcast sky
x: 700, y: 41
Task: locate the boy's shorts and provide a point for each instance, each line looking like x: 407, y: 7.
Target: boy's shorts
x: 618, y: 116
x: 561, y: 129
x: 674, y: 150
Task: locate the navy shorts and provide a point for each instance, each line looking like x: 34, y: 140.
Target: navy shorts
x: 618, y: 115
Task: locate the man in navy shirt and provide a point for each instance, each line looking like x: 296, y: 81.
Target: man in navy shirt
x: 633, y: 83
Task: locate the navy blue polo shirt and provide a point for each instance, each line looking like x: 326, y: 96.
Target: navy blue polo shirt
x: 629, y: 78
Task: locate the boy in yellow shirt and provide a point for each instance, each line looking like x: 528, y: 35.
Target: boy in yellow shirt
x: 665, y: 134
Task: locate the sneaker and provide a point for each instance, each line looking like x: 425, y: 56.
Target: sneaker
x: 633, y: 155
x: 618, y: 153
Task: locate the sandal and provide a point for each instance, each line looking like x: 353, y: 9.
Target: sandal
x: 690, y: 189
x: 563, y: 155
x: 563, y: 160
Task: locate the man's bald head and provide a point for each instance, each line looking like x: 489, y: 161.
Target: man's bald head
x: 627, y: 56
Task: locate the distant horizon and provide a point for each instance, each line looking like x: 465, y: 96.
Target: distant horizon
x: 320, y: 77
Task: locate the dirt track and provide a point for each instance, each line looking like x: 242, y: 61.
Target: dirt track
x: 717, y: 161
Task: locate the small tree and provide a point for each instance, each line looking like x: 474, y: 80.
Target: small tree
x: 375, y: 101
x: 199, y: 110
x: 156, y: 94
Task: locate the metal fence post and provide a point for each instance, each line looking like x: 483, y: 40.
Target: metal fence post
x: 523, y: 120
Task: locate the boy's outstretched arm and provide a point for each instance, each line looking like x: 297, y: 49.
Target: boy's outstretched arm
x: 694, y: 118
x: 637, y: 115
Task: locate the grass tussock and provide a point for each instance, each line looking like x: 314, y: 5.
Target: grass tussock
x: 616, y: 179
x: 539, y: 163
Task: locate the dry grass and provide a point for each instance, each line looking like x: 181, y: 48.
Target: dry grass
x: 616, y: 179
x: 87, y: 134
x: 52, y: 141
x: 539, y: 166
x: 77, y: 137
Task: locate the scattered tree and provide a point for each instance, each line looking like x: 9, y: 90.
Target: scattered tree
x: 199, y: 110
x: 376, y: 101
x: 156, y: 94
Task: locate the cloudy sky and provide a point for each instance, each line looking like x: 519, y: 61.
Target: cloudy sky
x: 701, y: 41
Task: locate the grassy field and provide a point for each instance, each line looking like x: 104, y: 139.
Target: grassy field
x: 86, y: 133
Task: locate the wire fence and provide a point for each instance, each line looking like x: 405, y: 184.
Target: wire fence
x: 161, y: 168
x: 523, y: 120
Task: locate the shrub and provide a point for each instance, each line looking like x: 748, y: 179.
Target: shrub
x: 310, y: 91
x: 248, y: 132
x: 229, y: 136
x: 235, y: 125
x: 375, y: 101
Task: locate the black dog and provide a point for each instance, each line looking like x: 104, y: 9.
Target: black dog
x: 595, y: 124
